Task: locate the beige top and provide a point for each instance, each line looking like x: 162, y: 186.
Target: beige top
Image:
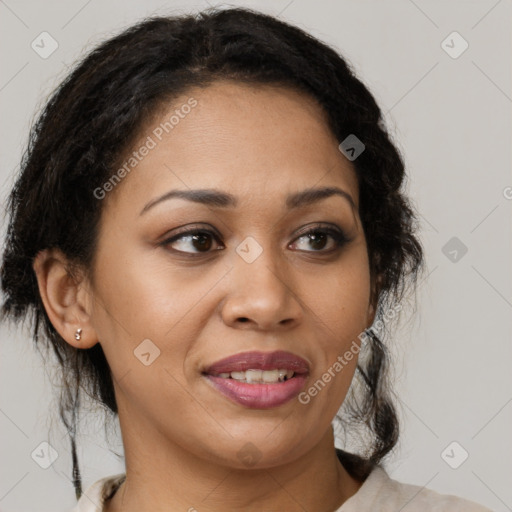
x: 379, y: 493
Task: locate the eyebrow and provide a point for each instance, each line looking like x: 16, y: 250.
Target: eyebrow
x: 220, y: 199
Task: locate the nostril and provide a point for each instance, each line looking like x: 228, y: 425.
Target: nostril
x: 243, y: 319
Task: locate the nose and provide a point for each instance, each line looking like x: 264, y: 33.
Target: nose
x: 261, y: 295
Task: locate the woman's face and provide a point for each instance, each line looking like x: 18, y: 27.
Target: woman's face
x: 168, y: 306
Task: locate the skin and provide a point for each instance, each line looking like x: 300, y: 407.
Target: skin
x: 182, y: 438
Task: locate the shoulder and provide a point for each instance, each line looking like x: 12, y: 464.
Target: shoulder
x: 380, y: 493
x: 93, y: 499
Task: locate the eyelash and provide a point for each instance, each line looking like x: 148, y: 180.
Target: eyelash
x: 336, y: 234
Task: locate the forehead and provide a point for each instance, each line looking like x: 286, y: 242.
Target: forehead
x: 255, y: 141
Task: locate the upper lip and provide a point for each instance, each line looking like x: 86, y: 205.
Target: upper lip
x: 280, y: 360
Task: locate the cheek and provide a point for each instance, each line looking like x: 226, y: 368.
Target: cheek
x: 142, y: 292
x: 140, y: 298
x: 339, y: 308
x: 339, y: 299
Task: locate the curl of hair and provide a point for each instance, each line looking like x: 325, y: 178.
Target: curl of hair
x: 97, y: 112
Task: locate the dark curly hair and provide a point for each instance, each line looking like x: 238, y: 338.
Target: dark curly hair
x: 90, y: 121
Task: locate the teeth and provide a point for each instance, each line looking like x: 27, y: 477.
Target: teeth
x: 253, y: 376
x: 270, y: 376
x: 259, y: 376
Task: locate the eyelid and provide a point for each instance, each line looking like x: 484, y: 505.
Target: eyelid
x: 318, y: 226
x: 191, y: 230
x: 339, y: 235
x: 336, y: 233
x: 188, y: 228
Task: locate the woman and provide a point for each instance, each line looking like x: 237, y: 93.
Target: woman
x: 220, y: 237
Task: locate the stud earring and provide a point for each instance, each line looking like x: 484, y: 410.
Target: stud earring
x: 78, y: 334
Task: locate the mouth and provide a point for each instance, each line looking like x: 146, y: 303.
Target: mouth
x: 254, y: 376
x: 257, y: 379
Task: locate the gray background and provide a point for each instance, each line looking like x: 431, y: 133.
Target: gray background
x: 451, y: 118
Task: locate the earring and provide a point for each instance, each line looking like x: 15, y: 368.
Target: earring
x: 78, y: 334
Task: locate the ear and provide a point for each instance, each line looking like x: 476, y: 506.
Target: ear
x: 66, y: 298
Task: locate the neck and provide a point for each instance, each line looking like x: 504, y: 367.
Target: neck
x: 170, y: 476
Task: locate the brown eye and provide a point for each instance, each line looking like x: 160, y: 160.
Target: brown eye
x: 318, y: 238
x: 200, y: 241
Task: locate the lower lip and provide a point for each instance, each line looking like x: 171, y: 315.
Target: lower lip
x: 259, y: 396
